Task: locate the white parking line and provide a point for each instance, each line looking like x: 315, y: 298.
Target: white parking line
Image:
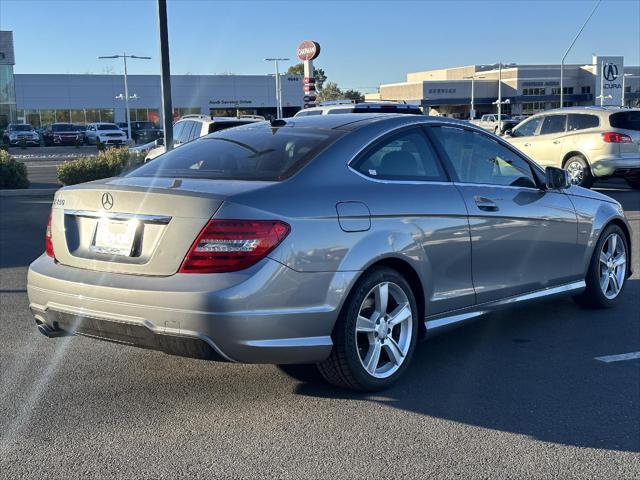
x: 619, y: 358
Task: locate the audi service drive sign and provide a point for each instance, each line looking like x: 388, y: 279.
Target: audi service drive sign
x: 608, y: 72
x: 307, y: 51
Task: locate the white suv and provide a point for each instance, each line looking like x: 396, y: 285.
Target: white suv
x: 348, y: 106
x: 105, y: 133
x: 191, y: 127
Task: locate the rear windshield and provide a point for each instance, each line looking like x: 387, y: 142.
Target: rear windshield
x: 626, y: 120
x: 108, y: 126
x: 243, y: 153
x: 364, y: 108
x: 218, y: 126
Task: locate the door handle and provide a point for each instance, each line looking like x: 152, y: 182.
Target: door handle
x: 486, y: 204
x: 556, y: 142
x: 527, y: 145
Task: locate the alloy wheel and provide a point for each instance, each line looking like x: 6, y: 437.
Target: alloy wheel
x: 613, y: 266
x: 384, y: 329
x: 576, y: 172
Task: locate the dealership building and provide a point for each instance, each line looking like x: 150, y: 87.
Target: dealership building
x: 41, y: 99
x: 525, y: 89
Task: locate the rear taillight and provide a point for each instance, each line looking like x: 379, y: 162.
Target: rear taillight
x: 615, y: 137
x: 231, y: 245
x: 48, y: 244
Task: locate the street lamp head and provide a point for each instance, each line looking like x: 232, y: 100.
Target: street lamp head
x: 141, y: 58
x: 108, y: 56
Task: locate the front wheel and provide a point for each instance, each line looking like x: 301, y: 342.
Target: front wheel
x: 579, y: 172
x: 607, y: 273
x: 375, y: 334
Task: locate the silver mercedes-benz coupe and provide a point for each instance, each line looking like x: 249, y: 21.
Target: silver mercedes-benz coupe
x: 337, y: 241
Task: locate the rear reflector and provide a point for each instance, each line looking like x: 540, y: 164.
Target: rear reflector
x: 48, y: 244
x: 615, y: 137
x: 232, y: 245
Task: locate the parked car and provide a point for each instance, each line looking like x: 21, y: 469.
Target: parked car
x: 61, y: 134
x: 106, y: 133
x: 82, y: 130
x: 490, y: 122
x: 142, y: 132
x: 16, y: 133
x: 334, y: 240
x: 349, y: 106
x: 190, y: 127
x: 589, y: 142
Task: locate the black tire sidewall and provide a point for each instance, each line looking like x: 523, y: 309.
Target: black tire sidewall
x: 348, y: 324
x: 593, y: 275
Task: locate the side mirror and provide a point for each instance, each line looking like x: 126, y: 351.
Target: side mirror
x: 159, y: 142
x: 557, y: 178
x: 508, y: 133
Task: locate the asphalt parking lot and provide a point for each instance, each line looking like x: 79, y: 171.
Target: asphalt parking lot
x: 518, y: 394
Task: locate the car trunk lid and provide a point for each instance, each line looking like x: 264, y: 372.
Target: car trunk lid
x: 135, y: 225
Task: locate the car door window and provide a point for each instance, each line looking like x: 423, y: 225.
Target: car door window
x: 553, y: 124
x: 403, y: 156
x: 580, y: 121
x: 195, y: 131
x: 527, y: 128
x: 477, y: 158
x: 178, y: 128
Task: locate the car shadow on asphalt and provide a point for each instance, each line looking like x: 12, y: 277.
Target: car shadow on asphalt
x: 529, y: 371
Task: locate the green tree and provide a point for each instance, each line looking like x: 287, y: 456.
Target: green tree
x: 330, y: 92
x: 354, y: 95
x: 318, y: 74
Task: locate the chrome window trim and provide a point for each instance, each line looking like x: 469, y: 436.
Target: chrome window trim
x: 491, y: 185
x: 159, y: 219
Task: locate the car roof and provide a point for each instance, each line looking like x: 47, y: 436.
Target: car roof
x: 588, y: 109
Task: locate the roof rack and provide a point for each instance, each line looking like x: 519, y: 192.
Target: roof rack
x: 384, y: 100
x: 255, y: 117
x: 196, y: 115
x: 345, y: 101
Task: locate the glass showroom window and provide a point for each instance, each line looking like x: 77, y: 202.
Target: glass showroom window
x: 32, y: 117
x: 567, y: 90
x: 63, y: 116
x: 532, y: 107
x: 92, y: 115
x: 77, y: 116
x: 584, y: 90
x: 106, y: 115
x: 533, y: 91
x: 47, y: 117
x: 182, y: 111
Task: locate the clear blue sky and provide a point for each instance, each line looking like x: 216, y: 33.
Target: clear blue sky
x: 364, y: 43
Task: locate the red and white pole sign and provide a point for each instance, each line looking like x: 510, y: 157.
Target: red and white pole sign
x: 306, y: 52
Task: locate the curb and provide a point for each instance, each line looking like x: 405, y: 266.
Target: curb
x: 29, y: 192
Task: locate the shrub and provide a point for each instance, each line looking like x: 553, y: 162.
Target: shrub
x: 13, y: 174
x: 108, y: 163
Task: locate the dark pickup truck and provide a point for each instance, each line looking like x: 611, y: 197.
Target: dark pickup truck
x: 142, y: 132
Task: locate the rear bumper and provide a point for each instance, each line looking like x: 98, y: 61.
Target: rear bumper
x: 267, y: 314
x: 619, y: 165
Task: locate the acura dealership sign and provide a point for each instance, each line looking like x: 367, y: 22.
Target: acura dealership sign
x: 608, y: 72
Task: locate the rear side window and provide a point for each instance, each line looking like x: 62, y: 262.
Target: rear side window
x: 477, y: 158
x: 553, y: 124
x: 269, y: 154
x: 626, y: 120
x: 404, y: 156
x: 580, y: 121
x: 308, y: 113
x: 218, y: 126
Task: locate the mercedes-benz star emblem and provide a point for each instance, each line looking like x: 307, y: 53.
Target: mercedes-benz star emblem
x: 107, y: 201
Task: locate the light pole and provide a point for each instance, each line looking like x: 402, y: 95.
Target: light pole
x: 124, y: 56
x: 472, y: 113
x: 278, y: 90
x: 568, y: 49
x: 625, y: 75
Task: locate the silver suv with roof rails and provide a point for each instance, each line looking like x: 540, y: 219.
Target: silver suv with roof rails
x: 349, y: 106
x: 589, y: 142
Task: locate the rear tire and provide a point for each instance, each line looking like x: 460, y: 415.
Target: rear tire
x: 607, y: 274
x: 377, y: 327
x: 579, y: 171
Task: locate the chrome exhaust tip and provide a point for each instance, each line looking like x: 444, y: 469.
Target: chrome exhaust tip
x: 50, y: 332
